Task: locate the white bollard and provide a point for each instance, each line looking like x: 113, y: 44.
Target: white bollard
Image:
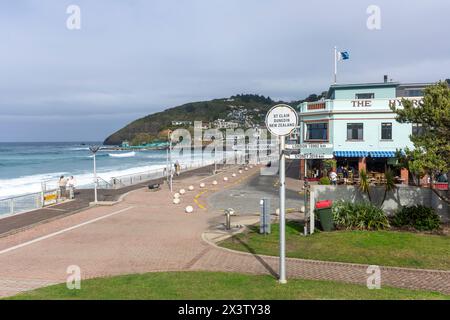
x: 277, y: 212
x: 246, y: 169
x: 189, y: 209
x: 202, y: 185
x: 240, y: 171
x: 182, y: 191
x: 251, y: 167
x: 176, y: 200
x: 214, y: 182
x: 191, y: 188
x: 176, y: 195
x: 233, y: 175
x: 225, y: 179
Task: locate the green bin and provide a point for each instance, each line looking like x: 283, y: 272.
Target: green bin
x: 323, y: 211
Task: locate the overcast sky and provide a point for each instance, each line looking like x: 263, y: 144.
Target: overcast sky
x: 135, y: 57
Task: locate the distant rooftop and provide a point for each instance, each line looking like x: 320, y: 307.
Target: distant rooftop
x: 360, y: 85
x: 385, y: 84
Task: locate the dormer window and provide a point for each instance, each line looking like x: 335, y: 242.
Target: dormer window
x: 365, y: 96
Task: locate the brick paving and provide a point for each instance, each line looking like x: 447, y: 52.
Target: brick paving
x: 147, y: 233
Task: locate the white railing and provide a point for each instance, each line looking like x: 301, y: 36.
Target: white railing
x: 141, y: 177
x: 28, y: 202
x: 33, y: 201
x: 136, y: 178
x: 19, y: 204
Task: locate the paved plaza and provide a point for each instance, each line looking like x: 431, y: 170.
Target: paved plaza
x: 146, y: 232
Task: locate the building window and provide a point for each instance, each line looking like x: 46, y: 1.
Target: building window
x: 365, y: 96
x: 417, y: 129
x: 317, y: 131
x: 386, y: 131
x: 413, y: 93
x: 354, y: 131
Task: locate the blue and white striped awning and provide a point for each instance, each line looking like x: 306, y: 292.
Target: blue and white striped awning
x: 351, y: 154
x: 382, y: 154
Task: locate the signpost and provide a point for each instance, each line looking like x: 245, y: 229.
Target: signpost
x: 310, y: 156
x: 281, y: 120
x: 309, y: 146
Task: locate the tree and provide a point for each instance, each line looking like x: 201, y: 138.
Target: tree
x: 364, y: 183
x: 432, y: 146
x: 389, y: 185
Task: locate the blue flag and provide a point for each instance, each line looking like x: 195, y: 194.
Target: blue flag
x: 343, y: 55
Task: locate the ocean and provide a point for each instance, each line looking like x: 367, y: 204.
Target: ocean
x: 23, y: 166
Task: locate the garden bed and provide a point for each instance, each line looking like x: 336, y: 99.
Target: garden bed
x: 383, y: 248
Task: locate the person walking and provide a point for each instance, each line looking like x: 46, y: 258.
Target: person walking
x: 345, y: 174
x: 333, y: 178
x: 177, y: 168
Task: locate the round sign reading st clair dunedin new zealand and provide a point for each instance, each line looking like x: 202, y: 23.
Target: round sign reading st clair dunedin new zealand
x: 281, y: 120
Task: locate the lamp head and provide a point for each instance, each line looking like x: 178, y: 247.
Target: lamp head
x: 94, y: 149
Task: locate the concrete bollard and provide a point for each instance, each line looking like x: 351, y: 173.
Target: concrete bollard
x: 225, y: 179
x: 176, y: 195
x: 202, y: 185
x: 214, y: 182
x: 191, y: 188
x: 182, y: 191
x: 176, y: 200
x: 189, y: 209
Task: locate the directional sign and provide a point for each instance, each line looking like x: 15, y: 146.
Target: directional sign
x: 310, y: 146
x: 310, y: 156
x: 281, y: 120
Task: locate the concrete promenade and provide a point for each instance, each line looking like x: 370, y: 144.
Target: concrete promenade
x: 146, y: 232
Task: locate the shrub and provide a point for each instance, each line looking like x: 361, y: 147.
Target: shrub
x: 360, y: 215
x: 325, y: 181
x: 418, y: 217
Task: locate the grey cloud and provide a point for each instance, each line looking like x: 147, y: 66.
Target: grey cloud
x: 132, y: 58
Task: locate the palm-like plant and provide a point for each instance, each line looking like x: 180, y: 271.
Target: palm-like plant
x: 389, y: 184
x: 364, y: 183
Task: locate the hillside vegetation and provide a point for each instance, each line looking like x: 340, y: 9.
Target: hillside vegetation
x: 245, y: 109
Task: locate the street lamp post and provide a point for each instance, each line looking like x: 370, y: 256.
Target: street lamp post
x: 170, y: 173
x: 94, y: 150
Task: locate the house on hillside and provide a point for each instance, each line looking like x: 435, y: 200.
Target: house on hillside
x: 182, y: 123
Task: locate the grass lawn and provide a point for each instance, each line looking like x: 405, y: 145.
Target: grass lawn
x: 384, y: 248
x: 217, y: 285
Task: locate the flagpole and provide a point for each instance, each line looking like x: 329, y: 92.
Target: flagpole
x: 335, y: 65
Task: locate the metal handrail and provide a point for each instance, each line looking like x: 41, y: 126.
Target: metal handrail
x: 108, y: 184
x: 22, y: 196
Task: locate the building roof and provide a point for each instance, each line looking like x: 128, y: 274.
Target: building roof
x: 360, y: 85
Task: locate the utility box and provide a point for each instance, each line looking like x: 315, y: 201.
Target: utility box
x: 264, y: 217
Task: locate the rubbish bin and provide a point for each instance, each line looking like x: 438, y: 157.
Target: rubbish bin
x: 323, y: 211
